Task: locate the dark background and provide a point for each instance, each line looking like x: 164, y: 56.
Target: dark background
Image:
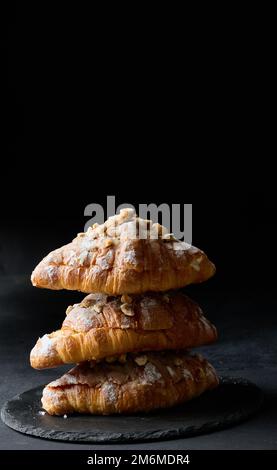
x: 87, y: 114
x: 165, y: 117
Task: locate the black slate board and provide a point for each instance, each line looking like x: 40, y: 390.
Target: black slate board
x: 233, y: 401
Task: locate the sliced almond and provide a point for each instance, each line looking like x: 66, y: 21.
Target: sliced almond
x: 85, y: 303
x: 168, y: 237
x: 69, y: 308
x: 178, y: 361
x: 127, y: 310
x: 126, y: 299
x: 98, y: 307
x: 170, y: 371
x: 108, y: 242
x: 81, y: 235
x: 195, y: 265
x: 158, y: 229
x: 141, y: 360
x: 95, y: 225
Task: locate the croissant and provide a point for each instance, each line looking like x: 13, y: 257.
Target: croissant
x: 122, y: 256
x: 102, y: 326
x: 143, y: 383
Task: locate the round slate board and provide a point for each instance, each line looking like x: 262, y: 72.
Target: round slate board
x: 233, y: 401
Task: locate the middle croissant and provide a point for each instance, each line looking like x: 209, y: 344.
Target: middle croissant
x: 102, y: 326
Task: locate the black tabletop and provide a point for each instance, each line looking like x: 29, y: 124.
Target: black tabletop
x: 247, y: 347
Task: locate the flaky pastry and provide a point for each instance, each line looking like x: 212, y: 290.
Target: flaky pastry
x: 102, y: 326
x: 141, y: 384
x: 126, y: 254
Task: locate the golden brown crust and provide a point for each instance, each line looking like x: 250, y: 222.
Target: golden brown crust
x: 163, y: 380
x: 107, y: 259
x: 158, y: 322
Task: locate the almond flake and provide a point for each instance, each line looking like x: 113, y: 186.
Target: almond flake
x: 85, y: 303
x: 195, y: 265
x: 168, y: 237
x: 108, y: 242
x: 141, y: 360
x: 127, y: 310
x: 98, y: 307
x: 178, y: 361
x: 68, y: 310
x: 171, y: 371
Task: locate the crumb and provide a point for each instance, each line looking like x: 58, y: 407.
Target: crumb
x: 65, y: 416
x: 42, y: 413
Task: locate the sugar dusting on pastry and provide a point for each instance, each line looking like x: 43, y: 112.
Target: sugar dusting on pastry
x: 66, y: 379
x: 148, y: 302
x: 51, y: 272
x: 115, y: 387
x: 44, y: 347
x: 52, y: 396
x: 109, y: 391
x: 125, y: 322
x: 126, y: 225
x: 129, y: 257
x: 151, y: 373
x: 105, y: 262
x: 83, y: 257
x: 85, y: 320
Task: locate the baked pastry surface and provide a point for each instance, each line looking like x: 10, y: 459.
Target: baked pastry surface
x: 143, y: 383
x: 110, y: 258
x: 102, y: 326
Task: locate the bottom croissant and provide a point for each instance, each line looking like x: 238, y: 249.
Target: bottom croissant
x: 141, y: 384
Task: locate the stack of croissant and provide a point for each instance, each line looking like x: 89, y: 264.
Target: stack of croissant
x: 130, y: 336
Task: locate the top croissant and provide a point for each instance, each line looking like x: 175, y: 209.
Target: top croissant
x: 125, y: 255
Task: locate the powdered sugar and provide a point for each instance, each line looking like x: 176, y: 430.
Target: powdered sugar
x: 51, y: 271
x: 151, y: 373
x: 126, y: 225
x: 109, y: 391
x: 146, y: 306
x: 193, y: 250
x: 83, y: 257
x: 125, y: 322
x: 44, y: 347
x: 148, y: 302
x: 87, y: 243
x: 105, y: 262
x: 67, y: 379
x: 84, y: 320
x: 129, y: 257
x: 54, y: 396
